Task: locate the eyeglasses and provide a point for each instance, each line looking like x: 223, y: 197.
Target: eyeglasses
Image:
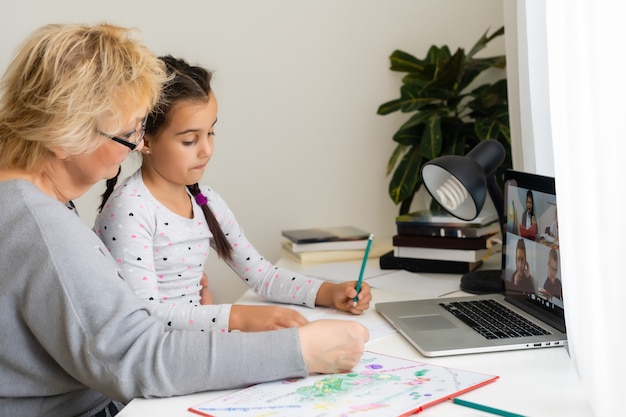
x: 127, y: 138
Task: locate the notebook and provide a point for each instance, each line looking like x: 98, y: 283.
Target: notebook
x: 441, y: 326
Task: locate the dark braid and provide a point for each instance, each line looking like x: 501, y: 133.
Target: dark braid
x: 222, y: 246
x: 110, y: 187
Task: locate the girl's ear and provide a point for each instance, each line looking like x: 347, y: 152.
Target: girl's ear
x: 146, y: 145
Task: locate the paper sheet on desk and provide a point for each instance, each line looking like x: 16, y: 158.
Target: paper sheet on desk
x: 377, y: 326
x: 427, y: 285
x: 343, y: 271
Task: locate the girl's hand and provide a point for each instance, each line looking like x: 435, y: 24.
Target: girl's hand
x: 205, y: 293
x: 251, y: 318
x: 341, y: 296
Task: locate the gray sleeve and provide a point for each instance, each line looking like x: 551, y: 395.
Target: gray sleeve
x: 89, y: 324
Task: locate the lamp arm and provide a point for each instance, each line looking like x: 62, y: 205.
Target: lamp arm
x: 498, y: 200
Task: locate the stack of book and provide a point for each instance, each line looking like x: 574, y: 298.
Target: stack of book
x: 328, y: 244
x: 435, y: 241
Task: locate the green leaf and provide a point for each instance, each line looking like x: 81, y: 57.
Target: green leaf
x: 432, y: 139
x: 498, y: 61
x: 405, y: 177
x: 413, y: 97
x: 498, y: 88
x: 494, y: 127
x: 421, y: 78
x: 390, y: 106
x: 436, y: 55
x: 484, y: 40
x: 457, y: 147
x: 393, y: 160
x: 473, y: 68
x: 490, y: 102
x: 457, y: 135
x: 417, y: 119
x: 485, y: 129
x: 405, y: 62
x: 409, y: 137
x: 446, y: 76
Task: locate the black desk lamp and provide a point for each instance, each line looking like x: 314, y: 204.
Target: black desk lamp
x: 460, y: 185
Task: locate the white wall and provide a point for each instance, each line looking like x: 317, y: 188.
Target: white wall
x: 298, y: 83
x: 527, y: 76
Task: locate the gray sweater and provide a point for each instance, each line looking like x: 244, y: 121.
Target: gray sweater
x: 73, y: 335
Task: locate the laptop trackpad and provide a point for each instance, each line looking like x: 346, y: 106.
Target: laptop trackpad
x: 429, y: 322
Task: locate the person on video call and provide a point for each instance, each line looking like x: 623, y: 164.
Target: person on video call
x: 552, y: 288
x: 528, y: 226
x: 522, y: 280
x: 553, y: 229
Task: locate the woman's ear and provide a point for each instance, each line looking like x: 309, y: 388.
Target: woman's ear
x: 59, y: 153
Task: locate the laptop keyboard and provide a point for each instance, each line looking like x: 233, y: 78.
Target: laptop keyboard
x: 493, y: 320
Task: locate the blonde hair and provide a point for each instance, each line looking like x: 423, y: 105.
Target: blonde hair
x: 62, y: 81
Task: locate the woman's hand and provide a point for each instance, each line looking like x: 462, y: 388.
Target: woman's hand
x: 332, y: 346
x: 251, y: 318
x: 341, y: 296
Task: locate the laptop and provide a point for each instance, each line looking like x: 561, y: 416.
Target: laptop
x: 532, y: 292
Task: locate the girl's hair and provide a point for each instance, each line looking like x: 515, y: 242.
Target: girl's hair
x: 529, y: 194
x: 554, y: 255
x: 187, y: 83
x: 521, y: 246
x: 63, y: 80
x: 222, y: 246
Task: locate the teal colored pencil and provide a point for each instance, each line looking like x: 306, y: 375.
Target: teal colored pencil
x: 485, y: 408
x: 365, y: 256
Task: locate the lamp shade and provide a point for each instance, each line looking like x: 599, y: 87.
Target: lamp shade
x: 460, y: 183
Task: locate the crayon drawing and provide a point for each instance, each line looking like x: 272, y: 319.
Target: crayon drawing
x: 379, y: 386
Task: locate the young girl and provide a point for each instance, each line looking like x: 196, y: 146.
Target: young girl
x: 528, y: 227
x: 160, y: 224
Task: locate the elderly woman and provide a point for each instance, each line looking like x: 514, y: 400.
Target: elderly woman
x: 75, y: 339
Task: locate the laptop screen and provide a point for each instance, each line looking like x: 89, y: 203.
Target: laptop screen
x: 531, y: 261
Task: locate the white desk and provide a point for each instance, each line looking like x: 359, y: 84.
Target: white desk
x: 536, y: 382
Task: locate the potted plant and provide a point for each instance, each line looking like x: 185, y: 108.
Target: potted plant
x: 450, y: 114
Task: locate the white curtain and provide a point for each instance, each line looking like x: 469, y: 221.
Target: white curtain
x: 587, y: 83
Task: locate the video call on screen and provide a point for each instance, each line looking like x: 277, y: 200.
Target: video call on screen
x: 532, y: 266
